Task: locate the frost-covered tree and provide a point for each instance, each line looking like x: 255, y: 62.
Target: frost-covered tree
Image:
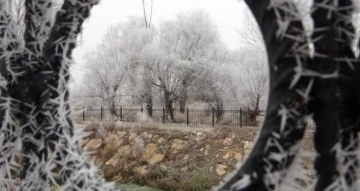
x: 114, y: 68
x: 213, y: 82
x: 34, y: 103
x: 107, y: 70
x: 312, y: 73
x: 189, y: 37
x: 251, y: 80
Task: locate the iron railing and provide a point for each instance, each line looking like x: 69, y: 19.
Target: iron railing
x: 211, y: 117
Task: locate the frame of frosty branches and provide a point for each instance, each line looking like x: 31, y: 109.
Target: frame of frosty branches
x: 314, y: 72
x: 34, y: 107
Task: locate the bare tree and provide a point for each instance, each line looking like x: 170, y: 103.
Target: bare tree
x: 189, y: 37
x: 106, y: 69
x: 252, y: 82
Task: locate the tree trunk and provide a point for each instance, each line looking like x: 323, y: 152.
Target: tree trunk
x: 285, y: 120
x: 112, y: 107
x: 219, y: 110
x: 147, y: 95
x: 183, y: 96
x: 34, y: 95
x: 169, y: 104
x: 335, y: 100
x: 148, y: 104
x: 252, y: 114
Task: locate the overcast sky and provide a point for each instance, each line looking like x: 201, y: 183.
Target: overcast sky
x: 229, y: 15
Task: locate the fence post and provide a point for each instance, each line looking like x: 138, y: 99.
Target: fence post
x: 187, y: 116
x: 101, y: 113
x: 83, y: 113
x: 121, y: 113
x: 213, y: 117
x: 241, y: 121
x: 163, y: 115
x: 141, y: 109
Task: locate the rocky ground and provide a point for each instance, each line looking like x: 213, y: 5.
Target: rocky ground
x: 170, y: 159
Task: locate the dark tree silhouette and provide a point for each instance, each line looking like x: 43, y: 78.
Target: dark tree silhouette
x: 34, y: 103
x: 323, y: 83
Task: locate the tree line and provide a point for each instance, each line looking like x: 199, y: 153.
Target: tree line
x: 182, y: 61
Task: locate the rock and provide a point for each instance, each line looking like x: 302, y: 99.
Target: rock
x: 183, y: 169
x: 177, y: 145
x: 121, y: 134
x: 113, y: 161
x: 147, y: 136
x: 132, y: 136
x: 221, y: 169
x: 142, y: 170
x: 156, y: 158
x: 93, y: 144
x: 228, y: 141
x: 151, y: 156
x: 161, y: 140
x: 124, y: 151
x: 186, y: 157
x: 138, y: 146
x: 163, y: 167
x: 227, y: 154
x: 117, y: 178
x: 238, y: 156
x: 155, y: 138
x: 248, y: 146
x: 200, y: 136
x: 113, y: 140
x: 207, y: 150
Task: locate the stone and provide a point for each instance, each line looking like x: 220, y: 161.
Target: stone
x: 177, y: 145
x: 124, y: 151
x: 200, y: 136
x: 138, y: 146
x: 151, y: 156
x: 142, y: 170
x: 156, y: 158
x: 163, y: 167
x: 238, y: 156
x: 247, y: 147
x: 161, y: 140
x: 207, y: 147
x: 183, y: 169
x: 113, y: 140
x: 113, y: 161
x: 120, y: 134
x: 93, y: 144
x: 147, y: 136
x: 117, y: 178
x: 186, y: 157
x: 132, y: 136
x: 221, y: 169
x: 228, y: 141
x: 155, y: 138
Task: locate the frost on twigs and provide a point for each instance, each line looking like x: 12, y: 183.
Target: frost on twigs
x: 34, y: 107
x: 314, y: 72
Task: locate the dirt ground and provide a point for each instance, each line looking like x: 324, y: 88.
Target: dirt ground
x: 188, y: 158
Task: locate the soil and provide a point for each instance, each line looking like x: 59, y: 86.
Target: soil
x: 206, y: 160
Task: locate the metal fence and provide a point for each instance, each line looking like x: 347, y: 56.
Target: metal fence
x: 189, y: 116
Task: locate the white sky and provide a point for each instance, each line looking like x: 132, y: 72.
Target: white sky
x: 229, y: 15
